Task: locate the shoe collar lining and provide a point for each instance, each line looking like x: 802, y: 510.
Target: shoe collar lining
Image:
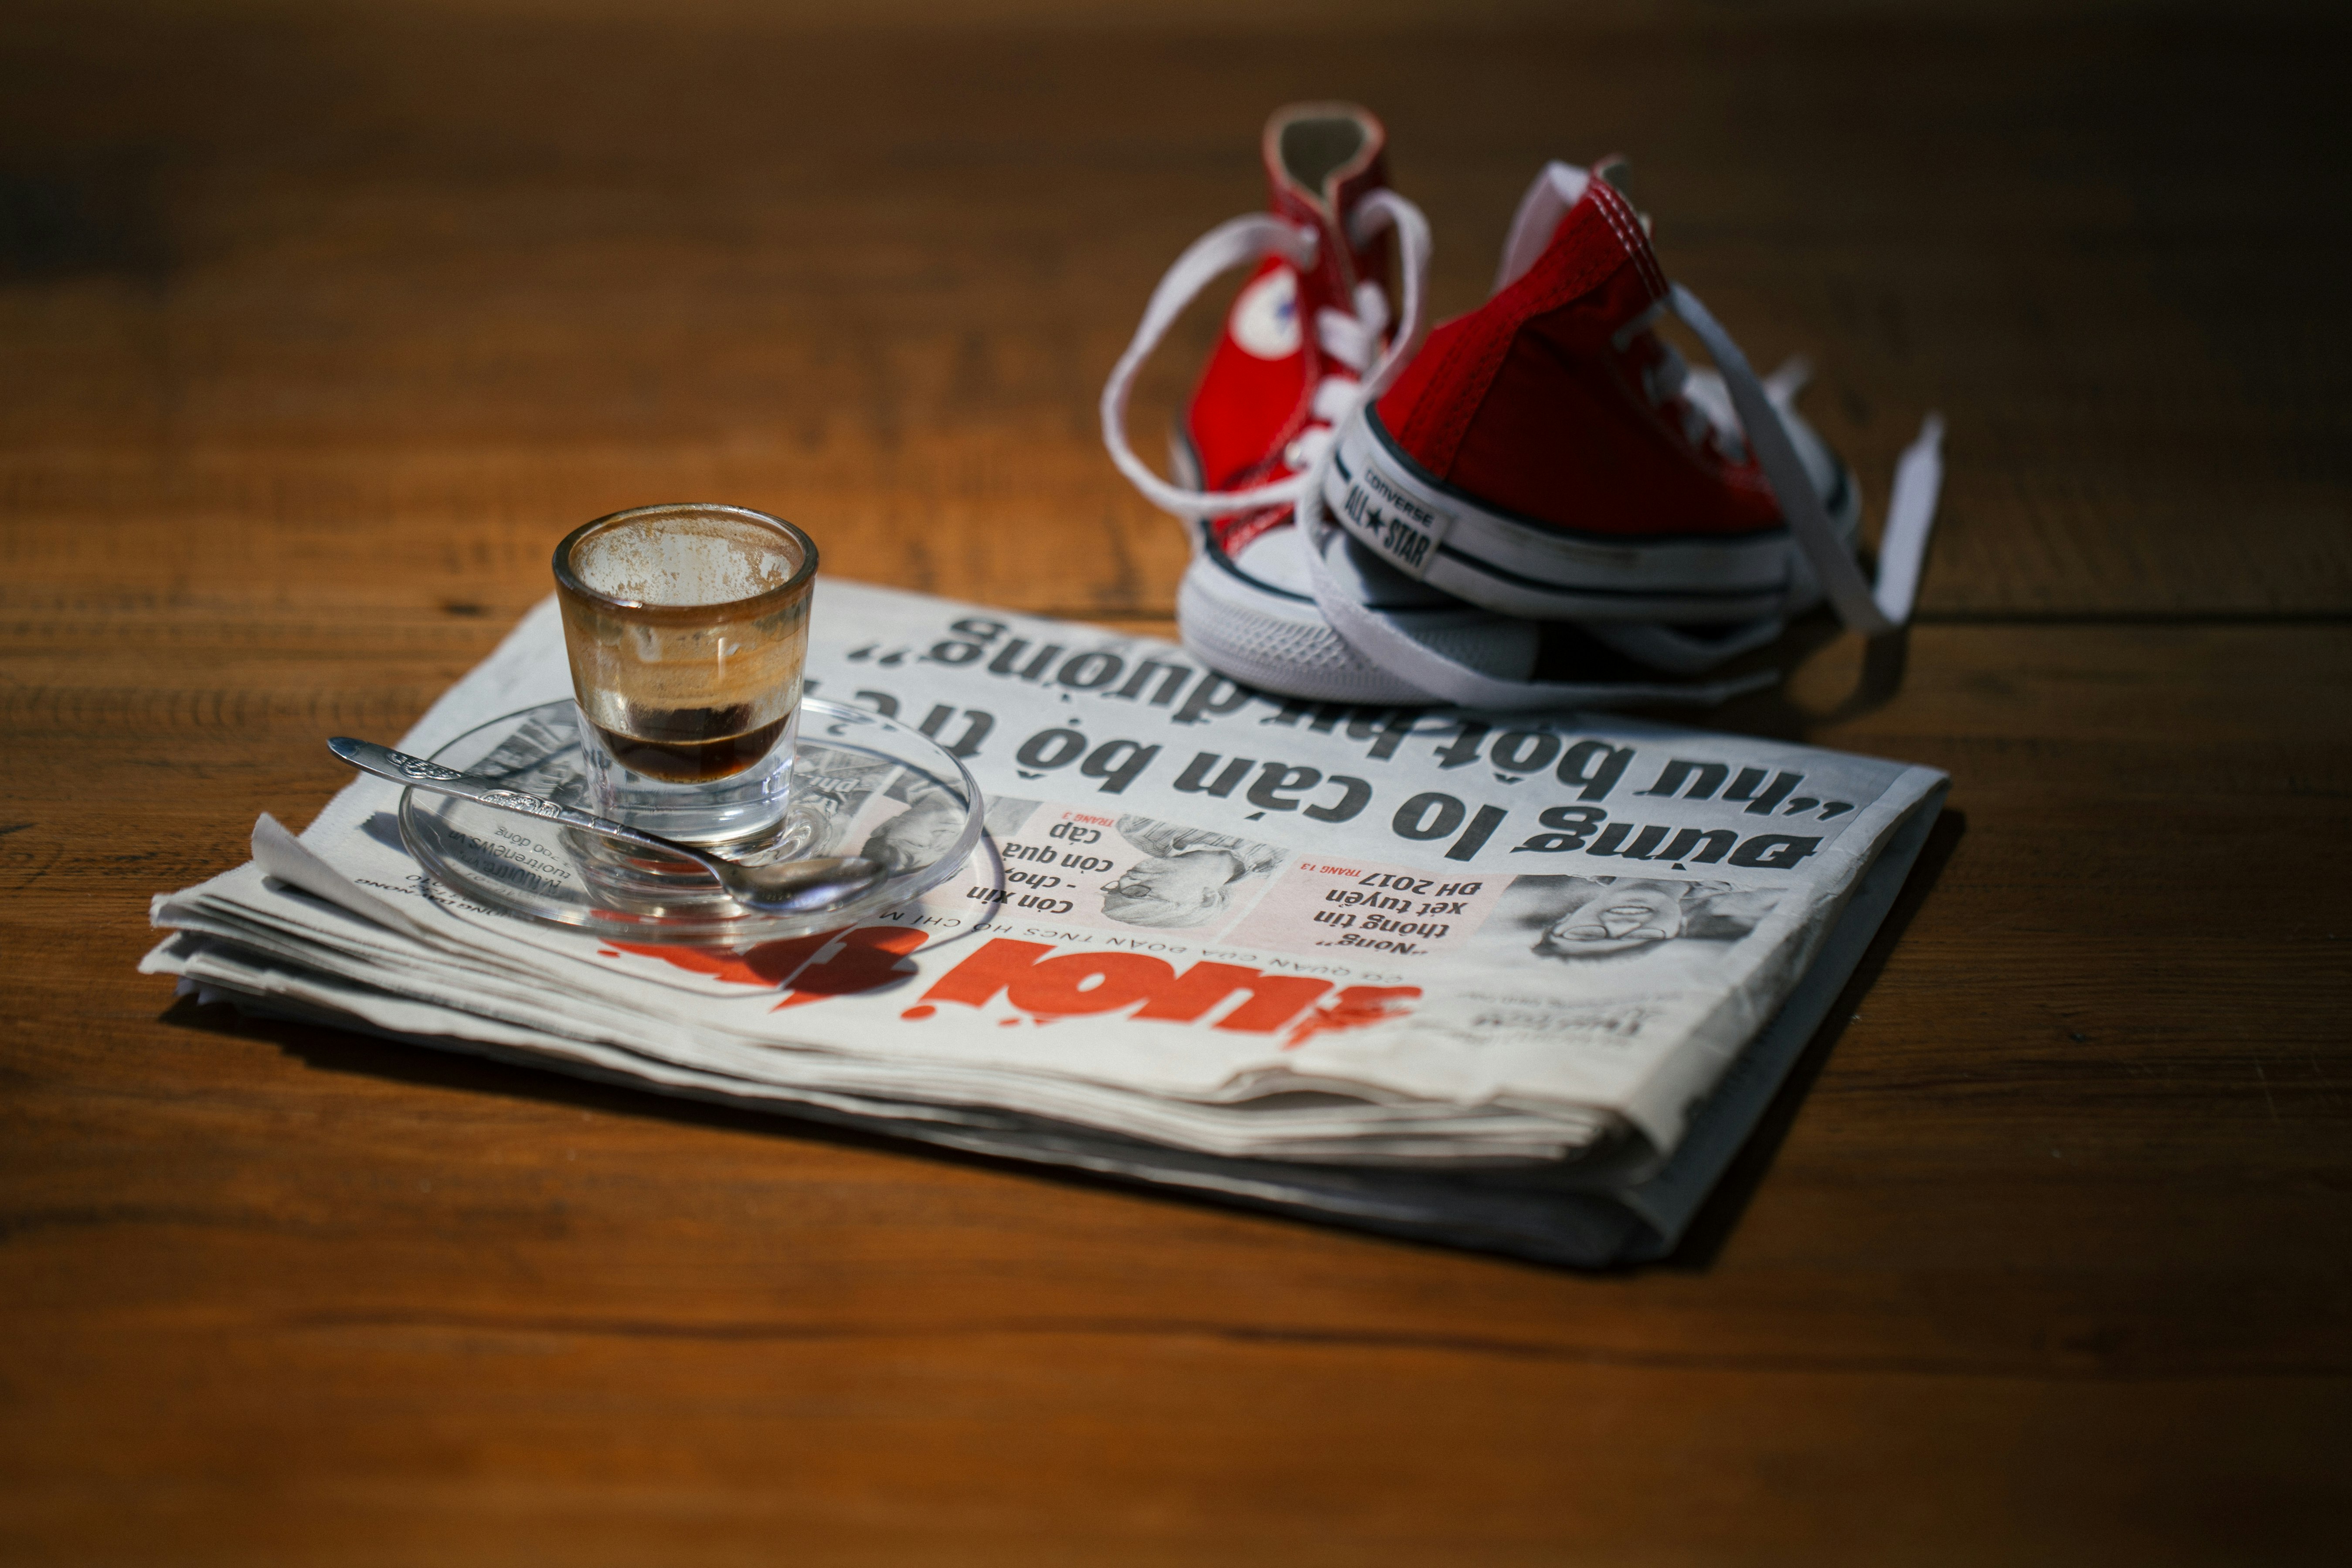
x: 1315, y: 149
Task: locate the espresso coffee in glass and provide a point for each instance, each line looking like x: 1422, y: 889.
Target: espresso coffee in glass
x: 687, y: 627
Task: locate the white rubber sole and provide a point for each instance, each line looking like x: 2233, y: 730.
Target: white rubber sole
x: 1254, y: 619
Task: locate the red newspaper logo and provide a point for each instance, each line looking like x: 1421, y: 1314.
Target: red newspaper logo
x: 1075, y: 984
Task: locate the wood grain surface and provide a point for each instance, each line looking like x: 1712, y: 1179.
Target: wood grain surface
x: 320, y: 325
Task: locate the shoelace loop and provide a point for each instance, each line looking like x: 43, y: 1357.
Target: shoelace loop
x: 1352, y: 340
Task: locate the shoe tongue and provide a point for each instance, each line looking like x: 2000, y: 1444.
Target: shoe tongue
x: 1556, y: 190
x: 1320, y: 160
x: 1576, y: 212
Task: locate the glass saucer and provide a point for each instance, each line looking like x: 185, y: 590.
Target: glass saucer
x: 862, y: 785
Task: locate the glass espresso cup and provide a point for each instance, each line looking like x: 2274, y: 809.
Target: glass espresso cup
x: 687, y: 627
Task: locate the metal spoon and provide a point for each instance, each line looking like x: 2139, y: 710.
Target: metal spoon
x: 792, y: 887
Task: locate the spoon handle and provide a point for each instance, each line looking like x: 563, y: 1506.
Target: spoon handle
x: 402, y: 768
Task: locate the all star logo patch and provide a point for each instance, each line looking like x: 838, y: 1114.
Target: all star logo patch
x: 1393, y: 536
x: 1392, y: 521
x: 1265, y: 319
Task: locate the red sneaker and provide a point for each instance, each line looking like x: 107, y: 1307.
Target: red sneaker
x: 1307, y: 343
x: 1549, y: 456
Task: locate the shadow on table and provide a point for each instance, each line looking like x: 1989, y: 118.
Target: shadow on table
x: 1720, y: 1214
x: 332, y: 1049
x: 1773, y: 711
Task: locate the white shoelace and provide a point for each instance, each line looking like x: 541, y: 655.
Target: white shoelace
x: 1911, y: 510
x: 1352, y: 340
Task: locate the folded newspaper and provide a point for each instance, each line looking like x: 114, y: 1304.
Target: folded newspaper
x: 1516, y: 983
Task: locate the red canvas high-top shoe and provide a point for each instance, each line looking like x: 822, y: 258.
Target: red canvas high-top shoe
x: 1307, y: 341
x: 1549, y: 456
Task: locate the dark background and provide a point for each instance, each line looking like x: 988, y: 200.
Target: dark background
x: 319, y: 324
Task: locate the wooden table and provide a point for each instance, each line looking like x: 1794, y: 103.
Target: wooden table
x: 318, y: 326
